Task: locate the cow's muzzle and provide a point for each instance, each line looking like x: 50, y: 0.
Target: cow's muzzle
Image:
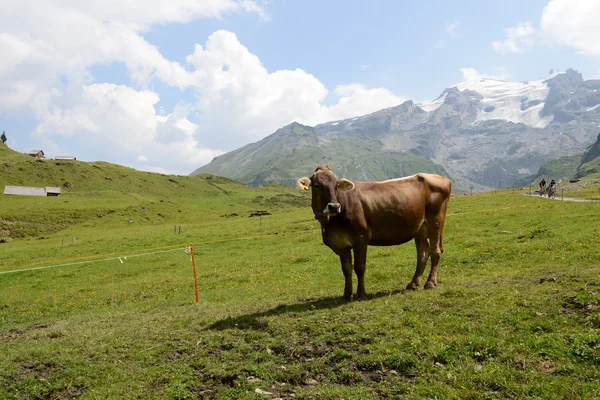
x: 333, y: 209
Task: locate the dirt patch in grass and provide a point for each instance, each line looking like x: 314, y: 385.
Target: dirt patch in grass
x: 309, y: 353
x: 72, y: 392
x: 584, y: 302
x: 545, y: 367
x: 202, y: 392
x: 40, y: 369
x: 19, y: 332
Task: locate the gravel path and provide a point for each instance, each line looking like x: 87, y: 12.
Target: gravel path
x: 559, y: 197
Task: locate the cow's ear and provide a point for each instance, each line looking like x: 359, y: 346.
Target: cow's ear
x: 345, y: 185
x: 303, y: 183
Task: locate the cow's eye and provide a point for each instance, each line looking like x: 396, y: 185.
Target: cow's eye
x: 317, y: 187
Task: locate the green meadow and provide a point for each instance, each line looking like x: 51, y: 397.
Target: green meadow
x: 103, y: 304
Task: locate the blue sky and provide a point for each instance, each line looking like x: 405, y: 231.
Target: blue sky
x: 166, y: 87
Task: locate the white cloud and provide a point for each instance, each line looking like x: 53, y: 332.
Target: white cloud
x: 242, y: 101
x: 133, y: 128
x: 471, y: 74
x: 574, y: 24
x: 452, y: 29
x: 355, y: 99
x: 16, y: 48
x: 38, y: 50
x: 519, y: 39
x: 563, y: 22
x: 47, y: 72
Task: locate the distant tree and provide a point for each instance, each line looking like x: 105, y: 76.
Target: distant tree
x: 3, y: 137
x: 551, y: 71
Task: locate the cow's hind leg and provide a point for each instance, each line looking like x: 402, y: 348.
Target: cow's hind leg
x: 422, y: 256
x: 346, y: 260
x: 435, y: 249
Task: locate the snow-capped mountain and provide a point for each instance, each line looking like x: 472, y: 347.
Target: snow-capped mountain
x: 482, y: 132
x: 517, y: 102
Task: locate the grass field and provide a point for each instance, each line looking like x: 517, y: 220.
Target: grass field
x: 516, y: 313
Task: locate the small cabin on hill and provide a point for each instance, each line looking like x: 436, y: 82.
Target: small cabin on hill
x: 37, y: 153
x: 32, y: 191
x: 52, y: 191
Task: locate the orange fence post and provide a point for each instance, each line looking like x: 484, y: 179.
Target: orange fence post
x: 194, y: 265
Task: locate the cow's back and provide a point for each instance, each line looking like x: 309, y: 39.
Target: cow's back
x: 394, y: 211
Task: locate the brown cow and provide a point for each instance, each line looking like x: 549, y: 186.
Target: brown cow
x: 354, y: 215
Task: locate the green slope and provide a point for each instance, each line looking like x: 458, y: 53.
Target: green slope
x: 590, y: 169
x: 295, y: 150
x: 515, y: 315
x: 563, y: 168
x: 590, y: 162
x: 107, y: 193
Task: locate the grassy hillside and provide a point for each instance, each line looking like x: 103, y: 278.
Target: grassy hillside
x: 563, y: 168
x: 106, y: 194
x: 590, y: 162
x: 295, y: 150
x: 592, y: 153
x: 585, y: 167
x: 113, y: 314
x: 590, y: 169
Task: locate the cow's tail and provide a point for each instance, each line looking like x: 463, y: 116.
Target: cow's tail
x: 443, y: 210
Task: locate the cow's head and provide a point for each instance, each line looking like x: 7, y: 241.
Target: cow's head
x: 324, y: 186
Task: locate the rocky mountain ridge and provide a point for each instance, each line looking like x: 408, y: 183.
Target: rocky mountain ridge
x: 483, y: 133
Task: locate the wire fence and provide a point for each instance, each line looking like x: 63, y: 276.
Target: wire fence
x: 121, y: 256
x: 179, y: 247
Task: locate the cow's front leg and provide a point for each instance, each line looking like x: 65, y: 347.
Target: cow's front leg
x: 360, y: 266
x: 346, y: 260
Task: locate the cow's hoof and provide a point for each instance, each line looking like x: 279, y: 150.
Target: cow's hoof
x: 412, y: 286
x: 361, y: 296
x: 347, y: 297
x: 430, y: 285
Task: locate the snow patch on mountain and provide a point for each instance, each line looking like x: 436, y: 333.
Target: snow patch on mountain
x: 434, y: 105
x: 453, y: 131
x: 518, y: 102
x: 593, y: 108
